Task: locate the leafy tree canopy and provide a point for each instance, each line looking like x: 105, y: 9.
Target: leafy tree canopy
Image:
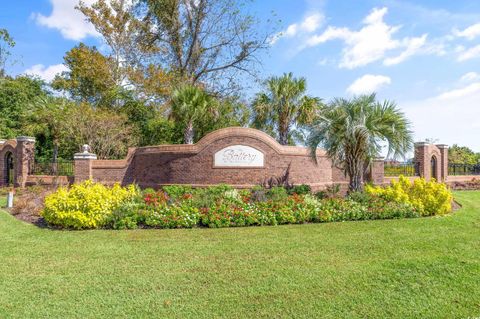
x: 16, y: 95
x: 462, y: 155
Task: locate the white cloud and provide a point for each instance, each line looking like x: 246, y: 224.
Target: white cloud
x: 468, y: 54
x: 451, y: 117
x: 330, y: 33
x: 69, y: 21
x: 470, y: 77
x: 469, y: 33
x: 459, y: 93
x: 309, y: 24
x: 413, y: 46
x: 368, y: 83
x: 46, y: 73
x: 371, y: 43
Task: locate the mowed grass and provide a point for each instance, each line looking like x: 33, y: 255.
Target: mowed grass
x: 411, y: 268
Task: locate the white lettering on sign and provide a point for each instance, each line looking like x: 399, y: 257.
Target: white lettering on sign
x: 238, y: 156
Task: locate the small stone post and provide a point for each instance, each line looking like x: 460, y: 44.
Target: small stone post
x: 377, y: 171
x: 10, y: 199
x: 24, y: 156
x: 83, y: 164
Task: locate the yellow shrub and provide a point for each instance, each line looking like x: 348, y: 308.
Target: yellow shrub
x: 85, y: 205
x: 428, y: 198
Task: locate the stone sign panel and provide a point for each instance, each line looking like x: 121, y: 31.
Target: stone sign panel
x: 239, y: 156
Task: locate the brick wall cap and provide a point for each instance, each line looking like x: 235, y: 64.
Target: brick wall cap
x: 3, y: 142
x: 26, y: 139
x: 442, y: 145
x: 11, y: 143
x: 422, y: 143
x: 211, y: 137
x: 380, y: 158
x: 84, y: 156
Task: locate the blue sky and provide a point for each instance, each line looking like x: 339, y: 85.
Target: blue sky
x: 425, y: 55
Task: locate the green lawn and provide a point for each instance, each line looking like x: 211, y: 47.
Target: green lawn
x: 412, y: 268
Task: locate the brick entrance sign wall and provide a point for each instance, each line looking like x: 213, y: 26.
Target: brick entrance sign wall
x: 241, y: 157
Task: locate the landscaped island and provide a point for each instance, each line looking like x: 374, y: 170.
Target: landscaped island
x: 93, y: 205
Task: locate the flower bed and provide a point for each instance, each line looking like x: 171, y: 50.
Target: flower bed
x: 473, y: 184
x: 92, y: 205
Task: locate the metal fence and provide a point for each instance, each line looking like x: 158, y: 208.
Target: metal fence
x: 398, y: 168
x: 463, y: 169
x: 59, y: 168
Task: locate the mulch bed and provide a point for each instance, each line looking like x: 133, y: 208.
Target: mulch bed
x: 474, y: 184
x: 28, y: 203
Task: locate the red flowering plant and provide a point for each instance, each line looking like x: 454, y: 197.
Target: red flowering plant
x: 155, y: 199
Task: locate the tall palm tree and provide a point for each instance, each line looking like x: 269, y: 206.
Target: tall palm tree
x: 191, y: 106
x: 353, y: 132
x: 284, y: 106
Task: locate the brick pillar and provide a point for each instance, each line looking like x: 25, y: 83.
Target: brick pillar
x: 443, y: 162
x: 25, y: 154
x: 2, y: 167
x: 377, y: 171
x: 423, y: 159
x: 83, y: 165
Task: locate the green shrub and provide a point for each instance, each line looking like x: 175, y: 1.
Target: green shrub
x: 85, y: 205
x: 259, y: 194
x: 300, y: 190
x: 204, y: 197
x: 380, y: 208
x: 149, y: 191
x: 277, y: 193
x: 127, y: 216
x: 321, y: 195
x: 176, y: 192
x: 360, y: 197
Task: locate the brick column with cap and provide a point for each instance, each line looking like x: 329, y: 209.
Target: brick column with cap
x: 83, y: 164
x: 422, y: 158
x: 2, y: 164
x: 377, y: 171
x: 443, y: 162
x: 25, y: 155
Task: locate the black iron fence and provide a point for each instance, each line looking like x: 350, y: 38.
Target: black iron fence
x: 59, y: 168
x: 401, y: 168
x: 463, y: 169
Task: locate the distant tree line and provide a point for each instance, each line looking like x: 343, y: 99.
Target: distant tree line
x: 462, y: 155
x: 174, y: 70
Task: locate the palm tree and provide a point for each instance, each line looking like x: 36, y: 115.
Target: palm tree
x: 353, y: 131
x: 191, y: 106
x: 284, y: 107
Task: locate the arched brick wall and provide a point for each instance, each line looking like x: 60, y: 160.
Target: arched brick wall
x: 5, y: 148
x: 423, y: 155
x: 194, y: 164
